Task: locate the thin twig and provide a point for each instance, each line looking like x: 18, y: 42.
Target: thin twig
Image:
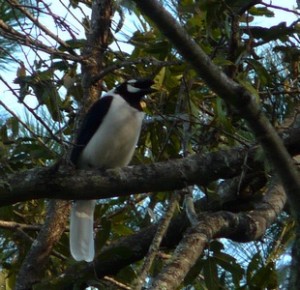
x: 154, y: 248
x: 80, y: 22
x: 190, y: 207
x: 14, y: 225
x: 116, y: 283
x: 36, y: 116
x: 147, y: 61
x: 280, y: 8
x: 26, y: 40
x: 38, y: 138
x: 17, y: 5
x: 21, y: 228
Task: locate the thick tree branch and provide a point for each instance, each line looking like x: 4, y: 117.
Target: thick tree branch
x: 170, y: 175
x: 35, y: 261
x: 173, y: 174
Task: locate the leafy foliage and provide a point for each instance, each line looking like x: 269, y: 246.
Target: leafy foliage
x: 184, y: 117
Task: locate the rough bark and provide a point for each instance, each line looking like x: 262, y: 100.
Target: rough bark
x: 169, y: 175
x: 98, y: 39
x: 69, y: 184
x: 34, y: 264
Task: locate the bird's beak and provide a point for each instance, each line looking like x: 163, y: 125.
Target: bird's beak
x: 143, y: 104
x: 152, y: 90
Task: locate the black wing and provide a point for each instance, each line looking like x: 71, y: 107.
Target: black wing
x: 90, y: 124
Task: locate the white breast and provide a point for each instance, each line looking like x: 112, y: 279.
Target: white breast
x: 114, y: 142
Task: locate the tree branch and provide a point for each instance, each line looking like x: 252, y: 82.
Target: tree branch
x: 26, y: 40
x: 16, y: 5
x: 162, y: 176
x: 13, y: 226
x: 36, y: 259
x: 217, y: 225
x: 162, y: 228
x: 94, y: 184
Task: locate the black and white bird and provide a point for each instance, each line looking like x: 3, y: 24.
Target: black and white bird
x: 107, y: 139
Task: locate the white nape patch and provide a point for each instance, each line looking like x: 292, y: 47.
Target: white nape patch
x: 132, y: 89
x: 133, y: 81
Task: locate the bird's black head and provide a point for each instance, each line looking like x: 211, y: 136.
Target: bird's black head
x: 134, y: 90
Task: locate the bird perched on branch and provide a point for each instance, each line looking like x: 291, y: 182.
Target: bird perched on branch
x: 107, y: 139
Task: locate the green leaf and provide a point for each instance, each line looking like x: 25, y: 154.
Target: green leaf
x: 259, y: 278
x: 222, y: 61
x: 253, y: 266
x: 229, y: 264
x: 261, y: 11
x: 73, y: 43
x: 261, y: 71
x: 127, y: 275
x: 60, y: 65
x: 13, y: 124
x: 221, y: 115
x: 247, y: 85
x: 122, y: 230
x: 4, y: 134
x: 211, y: 274
x: 194, y: 272
x: 159, y: 49
x: 216, y: 246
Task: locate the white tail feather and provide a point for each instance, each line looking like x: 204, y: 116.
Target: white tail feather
x: 82, y: 231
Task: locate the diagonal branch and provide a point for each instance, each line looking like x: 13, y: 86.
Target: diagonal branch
x: 217, y: 225
x: 27, y: 40
x: 157, y: 239
x: 233, y: 93
x: 16, y: 5
x: 36, y: 259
